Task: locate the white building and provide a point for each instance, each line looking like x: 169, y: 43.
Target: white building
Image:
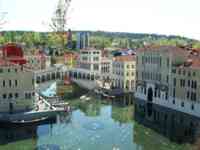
x: 92, y: 65
x: 17, y: 88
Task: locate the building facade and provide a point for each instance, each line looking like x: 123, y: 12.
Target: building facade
x: 17, y: 85
x: 124, y: 72
x: 167, y: 89
x: 17, y: 88
x: 38, y: 61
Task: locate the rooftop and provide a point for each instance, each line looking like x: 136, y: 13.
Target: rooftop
x: 125, y: 58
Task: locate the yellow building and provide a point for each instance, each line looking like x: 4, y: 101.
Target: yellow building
x: 124, y: 72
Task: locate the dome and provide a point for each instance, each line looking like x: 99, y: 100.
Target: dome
x: 12, y: 50
x: 13, y: 53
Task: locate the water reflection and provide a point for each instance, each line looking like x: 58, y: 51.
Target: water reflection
x: 92, y: 125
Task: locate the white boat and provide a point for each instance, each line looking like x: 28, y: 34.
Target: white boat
x: 82, y: 97
x: 88, y: 98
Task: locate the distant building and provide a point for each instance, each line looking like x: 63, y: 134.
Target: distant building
x: 69, y: 39
x: 38, y: 61
x: 83, y: 41
x: 124, y: 72
x: 91, y: 65
x: 70, y: 59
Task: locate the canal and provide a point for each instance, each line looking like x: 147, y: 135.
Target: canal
x: 93, y: 125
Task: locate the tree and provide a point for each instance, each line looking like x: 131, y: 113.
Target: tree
x: 59, y: 20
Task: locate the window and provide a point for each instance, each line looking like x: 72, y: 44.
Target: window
x: 189, y: 74
x: 8, y: 70
x: 16, y: 70
x: 193, y: 96
x: 167, y: 62
x: 173, y: 102
x: 160, y: 62
x: 4, y: 96
x: 182, y: 104
x: 167, y: 79
x: 184, y: 72
x: 174, y: 92
x: 183, y: 83
x: 174, y: 81
x: 145, y: 91
x: 166, y: 96
x: 16, y: 95
x: 159, y: 94
x: 33, y: 81
x: 1, y: 70
x: 10, y: 95
x: 16, y: 83
x: 195, y: 84
x: 188, y: 94
x: 179, y: 71
x: 10, y: 83
x: 127, y: 66
x: 194, y: 74
x: 132, y: 66
x: 192, y: 106
x: 4, y: 83
x: 174, y: 71
x: 188, y: 83
x: 96, y: 67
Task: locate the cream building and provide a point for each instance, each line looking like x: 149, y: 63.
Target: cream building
x: 168, y: 76
x: 17, y: 88
x: 92, y: 65
x: 124, y: 72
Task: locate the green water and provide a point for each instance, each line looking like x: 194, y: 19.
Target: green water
x: 92, y: 126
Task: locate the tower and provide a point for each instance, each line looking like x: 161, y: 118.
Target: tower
x: 82, y: 40
x: 69, y: 39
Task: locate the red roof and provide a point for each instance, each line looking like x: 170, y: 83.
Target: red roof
x: 125, y: 58
x: 12, y: 49
x: 13, y: 53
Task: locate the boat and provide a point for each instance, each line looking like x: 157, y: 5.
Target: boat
x: 29, y: 121
x: 18, y: 123
x: 87, y: 98
x: 82, y: 97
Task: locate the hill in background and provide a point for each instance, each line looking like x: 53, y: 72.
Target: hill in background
x: 98, y: 39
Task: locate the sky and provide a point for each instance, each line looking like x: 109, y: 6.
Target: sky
x: 170, y: 17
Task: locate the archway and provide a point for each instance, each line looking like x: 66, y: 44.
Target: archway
x: 88, y: 77
x: 149, y: 101
x: 79, y: 75
x: 43, y: 78
x: 150, y: 95
x: 57, y: 75
x: 48, y: 77
x: 38, y: 79
x: 53, y: 76
x: 11, y: 108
